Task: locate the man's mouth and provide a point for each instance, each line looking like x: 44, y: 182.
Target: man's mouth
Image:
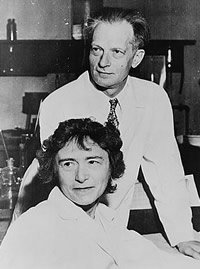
x: 104, y: 73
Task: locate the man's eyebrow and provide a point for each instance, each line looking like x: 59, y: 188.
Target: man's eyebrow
x: 119, y: 48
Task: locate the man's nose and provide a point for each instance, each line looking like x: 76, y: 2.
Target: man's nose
x: 81, y: 174
x: 104, y: 60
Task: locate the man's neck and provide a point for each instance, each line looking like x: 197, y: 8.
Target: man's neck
x: 111, y: 92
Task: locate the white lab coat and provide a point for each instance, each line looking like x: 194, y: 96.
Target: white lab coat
x: 56, y: 234
x: 146, y: 125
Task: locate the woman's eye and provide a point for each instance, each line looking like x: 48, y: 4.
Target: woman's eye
x: 93, y: 162
x: 67, y: 165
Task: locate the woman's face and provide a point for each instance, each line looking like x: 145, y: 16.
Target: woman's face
x: 83, y: 174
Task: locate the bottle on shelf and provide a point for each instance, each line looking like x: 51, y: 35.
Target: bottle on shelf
x: 11, y: 29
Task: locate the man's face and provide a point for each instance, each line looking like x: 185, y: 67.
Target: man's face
x: 111, y: 54
x: 83, y: 174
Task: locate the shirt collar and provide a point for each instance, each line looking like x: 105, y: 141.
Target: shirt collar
x: 131, y: 91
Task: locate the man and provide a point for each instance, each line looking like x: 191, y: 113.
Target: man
x: 71, y: 229
x: 144, y: 117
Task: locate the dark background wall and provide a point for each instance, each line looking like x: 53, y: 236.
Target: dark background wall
x: 168, y: 19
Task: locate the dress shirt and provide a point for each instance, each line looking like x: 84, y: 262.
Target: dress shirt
x: 146, y: 126
x: 57, y: 234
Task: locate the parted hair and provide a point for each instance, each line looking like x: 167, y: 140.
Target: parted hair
x: 105, y: 136
x: 111, y: 15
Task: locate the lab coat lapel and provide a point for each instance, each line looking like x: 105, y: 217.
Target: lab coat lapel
x: 85, y: 224
x: 133, y: 122
x: 139, y: 109
x: 97, y: 232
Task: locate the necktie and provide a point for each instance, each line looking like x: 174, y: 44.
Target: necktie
x: 112, y: 117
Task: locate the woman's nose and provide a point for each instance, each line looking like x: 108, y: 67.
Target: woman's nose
x: 82, y: 174
x: 104, y: 60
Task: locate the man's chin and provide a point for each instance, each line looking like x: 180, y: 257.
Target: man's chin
x: 101, y: 86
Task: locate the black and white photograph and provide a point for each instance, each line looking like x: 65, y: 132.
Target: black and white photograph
x: 99, y: 134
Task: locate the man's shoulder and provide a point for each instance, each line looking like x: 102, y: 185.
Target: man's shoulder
x: 145, y: 85
x: 71, y: 89
x: 147, y: 90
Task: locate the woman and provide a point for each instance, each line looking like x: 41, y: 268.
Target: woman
x: 72, y: 229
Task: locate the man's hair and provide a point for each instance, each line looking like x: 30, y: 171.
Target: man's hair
x: 105, y: 136
x: 111, y: 15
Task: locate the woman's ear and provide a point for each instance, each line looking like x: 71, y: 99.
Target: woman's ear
x: 139, y: 55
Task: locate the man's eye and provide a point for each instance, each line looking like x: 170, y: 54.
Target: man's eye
x: 118, y: 53
x: 96, y: 51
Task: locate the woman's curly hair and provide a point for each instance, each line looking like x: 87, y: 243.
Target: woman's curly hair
x: 105, y: 136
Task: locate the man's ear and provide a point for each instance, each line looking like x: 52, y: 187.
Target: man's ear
x: 139, y: 55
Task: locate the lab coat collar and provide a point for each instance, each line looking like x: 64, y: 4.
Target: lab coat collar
x: 129, y: 88
x: 67, y: 210
x: 139, y: 98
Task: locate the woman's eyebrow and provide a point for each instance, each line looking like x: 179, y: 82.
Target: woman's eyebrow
x: 95, y: 157
x: 65, y: 159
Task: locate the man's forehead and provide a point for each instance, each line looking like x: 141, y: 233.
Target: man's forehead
x: 116, y: 26
x: 115, y: 32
